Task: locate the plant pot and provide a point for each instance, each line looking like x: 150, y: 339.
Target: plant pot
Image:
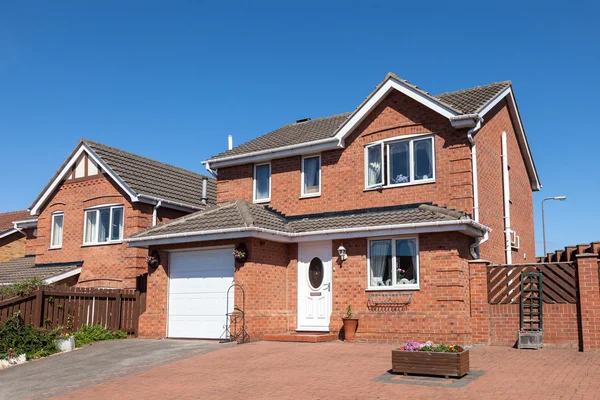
x: 430, y: 363
x: 66, y: 344
x: 350, y: 325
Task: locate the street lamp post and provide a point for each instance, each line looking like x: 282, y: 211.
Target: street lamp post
x: 559, y: 198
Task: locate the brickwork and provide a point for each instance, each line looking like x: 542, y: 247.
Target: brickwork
x: 107, y: 265
x: 12, y: 246
x: 342, y: 170
x: 439, y: 310
x: 480, y: 317
x: 491, y: 201
x: 589, y: 301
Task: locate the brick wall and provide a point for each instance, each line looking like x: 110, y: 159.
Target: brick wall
x: 342, y: 173
x: 12, y: 246
x: 342, y: 170
x: 439, y: 310
x: 491, y: 201
x: 109, y: 265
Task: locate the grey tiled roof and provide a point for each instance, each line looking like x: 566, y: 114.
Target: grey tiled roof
x: 287, y: 135
x: 472, y: 100
x: 153, y: 178
x: 466, y: 101
x: 241, y: 214
x: 25, y: 268
x: 149, y: 177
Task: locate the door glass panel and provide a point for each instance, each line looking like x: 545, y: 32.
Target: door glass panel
x: 315, y: 273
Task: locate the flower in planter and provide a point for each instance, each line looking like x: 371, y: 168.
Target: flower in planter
x: 429, y: 346
x: 239, y: 254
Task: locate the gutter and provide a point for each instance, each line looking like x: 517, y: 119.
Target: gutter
x: 233, y: 158
x: 293, y: 235
x: 175, y: 203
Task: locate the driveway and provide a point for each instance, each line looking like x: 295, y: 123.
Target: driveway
x: 94, y: 365
x: 335, y: 370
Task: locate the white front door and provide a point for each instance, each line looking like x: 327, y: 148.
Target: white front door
x: 314, y: 286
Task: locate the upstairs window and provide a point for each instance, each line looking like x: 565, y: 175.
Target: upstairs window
x: 400, y: 162
x: 262, y: 183
x: 103, y: 225
x: 56, y: 235
x: 311, y: 176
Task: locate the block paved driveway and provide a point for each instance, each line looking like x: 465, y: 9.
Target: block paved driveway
x: 271, y: 370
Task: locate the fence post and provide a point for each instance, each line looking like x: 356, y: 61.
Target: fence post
x: 39, y: 303
x: 136, y: 313
x: 480, y: 312
x: 589, y: 300
x: 118, y: 300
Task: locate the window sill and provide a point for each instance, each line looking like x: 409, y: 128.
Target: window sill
x: 262, y: 201
x: 397, y: 185
x: 102, y: 244
x: 310, y: 196
x: 393, y: 288
x: 54, y: 248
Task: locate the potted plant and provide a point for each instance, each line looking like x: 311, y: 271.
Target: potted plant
x: 430, y: 359
x: 241, y: 253
x: 65, y: 342
x: 350, y: 324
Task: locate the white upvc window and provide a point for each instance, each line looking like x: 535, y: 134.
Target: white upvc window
x: 262, y: 183
x: 103, y: 224
x: 311, y: 176
x: 56, y: 234
x: 393, y: 263
x: 400, y: 161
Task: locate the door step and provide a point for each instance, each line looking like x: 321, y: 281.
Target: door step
x: 305, y: 337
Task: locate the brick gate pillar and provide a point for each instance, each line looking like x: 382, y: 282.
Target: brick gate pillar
x: 589, y: 300
x: 478, y: 300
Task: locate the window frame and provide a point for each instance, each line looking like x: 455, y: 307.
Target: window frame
x: 54, y: 215
x: 318, y: 193
x: 386, y: 181
x: 366, y: 172
x: 412, y: 286
x: 255, y: 200
x: 97, y: 209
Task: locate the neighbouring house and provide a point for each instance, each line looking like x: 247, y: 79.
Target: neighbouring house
x: 99, y: 196
x: 24, y: 268
x: 12, y: 240
x: 384, y: 209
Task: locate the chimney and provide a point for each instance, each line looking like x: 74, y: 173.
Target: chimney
x: 229, y: 142
x: 204, y: 187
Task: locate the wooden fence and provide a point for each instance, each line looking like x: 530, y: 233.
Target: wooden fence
x: 49, y: 307
x: 559, y: 282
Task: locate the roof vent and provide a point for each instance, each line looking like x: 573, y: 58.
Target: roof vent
x: 299, y: 121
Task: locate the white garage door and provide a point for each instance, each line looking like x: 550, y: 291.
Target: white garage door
x: 198, y: 283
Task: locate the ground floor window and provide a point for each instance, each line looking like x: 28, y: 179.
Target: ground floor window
x: 393, y: 263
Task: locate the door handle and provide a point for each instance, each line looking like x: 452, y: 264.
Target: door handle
x: 328, y: 287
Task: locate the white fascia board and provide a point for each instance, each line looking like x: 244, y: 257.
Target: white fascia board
x: 25, y: 223
x: 167, y: 203
x: 62, y: 276
x: 521, y: 136
x: 66, y: 169
x: 279, y: 152
x: 379, y: 95
x: 469, y: 227
x: 8, y: 233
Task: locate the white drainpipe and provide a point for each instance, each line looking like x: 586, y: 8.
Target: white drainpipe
x: 155, y: 212
x: 475, y: 246
x: 506, y: 192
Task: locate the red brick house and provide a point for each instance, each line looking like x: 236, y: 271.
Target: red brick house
x: 12, y: 240
x: 382, y: 208
x: 99, y: 196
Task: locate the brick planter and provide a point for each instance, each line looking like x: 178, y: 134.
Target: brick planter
x: 430, y: 363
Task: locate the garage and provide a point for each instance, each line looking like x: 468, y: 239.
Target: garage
x: 198, y: 283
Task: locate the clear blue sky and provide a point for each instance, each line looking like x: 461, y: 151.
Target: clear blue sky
x: 170, y: 80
